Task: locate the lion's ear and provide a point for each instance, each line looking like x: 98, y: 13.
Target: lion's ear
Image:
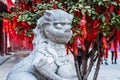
x: 48, y: 15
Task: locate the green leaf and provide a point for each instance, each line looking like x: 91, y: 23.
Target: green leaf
x: 118, y: 20
x: 87, y: 7
x: 19, y: 18
x: 29, y: 22
x: 114, y: 3
x: 80, y: 6
x: 107, y: 28
x: 71, y: 40
x: 100, y: 3
x: 83, y: 11
x: 89, y: 12
x: 29, y: 18
x: 93, y: 17
x: 104, y: 33
x: 113, y: 13
x: 94, y: 0
x: 103, y: 26
x: 93, y: 12
x: 103, y: 18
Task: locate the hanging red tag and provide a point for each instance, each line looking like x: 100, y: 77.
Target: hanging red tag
x: 9, y: 4
x: 105, y: 45
x: 54, y: 6
x: 75, y: 46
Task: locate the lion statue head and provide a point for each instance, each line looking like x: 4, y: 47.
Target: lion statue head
x: 54, y: 25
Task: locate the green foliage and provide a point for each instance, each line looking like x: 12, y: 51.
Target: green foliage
x: 7, y: 15
x: 28, y: 16
x: 83, y: 6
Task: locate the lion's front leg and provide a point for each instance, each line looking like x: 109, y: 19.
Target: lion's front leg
x: 46, y: 67
x: 48, y: 70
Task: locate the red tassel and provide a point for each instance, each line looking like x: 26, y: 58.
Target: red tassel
x: 75, y: 46
x: 21, y: 7
x: 82, y: 44
x: 118, y: 12
x: 38, y: 1
x: 33, y: 2
x: 111, y: 9
x: 115, y: 49
x: 106, y: 53
x: 107, y: 19
x: 105, y: 46
x: 54, y: 6
x: 77, y: 13
x: 84, y: 31
x: 94, y: 30
x: 97, y: 8
x: 83, y: 27
x: 5, y: 25
x: 118, y: 1
x: 83, y: 21
x: 9, y: 4
x: 14, y: 19
x: 25, y: 25
x: 11, y: 31
x: 119, y: 34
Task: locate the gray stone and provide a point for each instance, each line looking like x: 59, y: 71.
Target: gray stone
x: 48, y: 60
x: 4, y: 58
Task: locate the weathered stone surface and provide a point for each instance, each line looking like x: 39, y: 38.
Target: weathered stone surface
x: 48, y: 60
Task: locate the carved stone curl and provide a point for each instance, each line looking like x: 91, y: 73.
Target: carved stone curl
x: 48, y: 60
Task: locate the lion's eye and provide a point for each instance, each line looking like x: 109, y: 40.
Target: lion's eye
x: 58, y: 26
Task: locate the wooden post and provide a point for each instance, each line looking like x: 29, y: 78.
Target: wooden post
x: 3, y: 35
x: 4, y: 43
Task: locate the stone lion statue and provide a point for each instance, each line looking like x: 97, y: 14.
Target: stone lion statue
x: 48, y: 60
